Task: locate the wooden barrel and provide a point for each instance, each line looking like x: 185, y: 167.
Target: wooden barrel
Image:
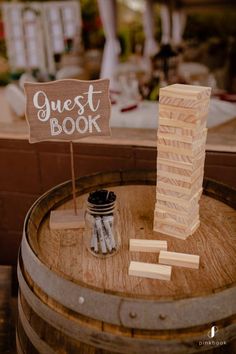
x: 73, y: 302
x: 5, y: 297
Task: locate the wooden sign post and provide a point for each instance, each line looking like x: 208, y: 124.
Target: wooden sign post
x: 67, y: 110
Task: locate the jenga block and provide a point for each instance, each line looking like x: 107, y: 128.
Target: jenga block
x: 182, y: 138
x: 173, y: 231
x: 140, y: 245
x: 184, y: 114
x: 195, y: 128
x: 178, y: 131
x: 178, y: 171
x: 165, y: 129
x: 186, y: 202
x: 182, y: 227
x: 175, y: 217
x: 177, y: 157
x: 178, y: 123
x: 172, y: 140
x: 188, y: 179
x: 185, y: 152
x: 188, y: 96
x: 176, y: 208
x: 160, y: 190
x: 179, y: 259
x: 180, y: 186
x: 150, y: 270
x: 171, y: 145
x: 174, y: 188
x: 199, y: 161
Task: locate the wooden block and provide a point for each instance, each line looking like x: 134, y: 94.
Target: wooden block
x: 180, y: 148
x: 171, y: 230
x: 140, y: 245
x: 188, y: 96
x: 188, y: 180
x: 173, y: 169
x: 150, y: 270
x: 197, y: 162
x: 184, y: 114
x: 174, y: 218
x: 181, y: 131
x: 178, y: 123
x: 182, y: 138
x: 181, y: 197
x: 197, y: 92
x: 180, y: 227
x: 192, y: 153
x: 173, y: 156
x: 186, y: 202
x: 179, y: 259
x: 174, y: 208
x: 66, y: 219
x: 175, y: 140
x: 186, y: 207
x: 175, y: 180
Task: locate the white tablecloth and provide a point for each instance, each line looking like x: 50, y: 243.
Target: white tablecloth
x: 146, y: 115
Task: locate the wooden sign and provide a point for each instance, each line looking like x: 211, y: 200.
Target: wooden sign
x: 67, y: 109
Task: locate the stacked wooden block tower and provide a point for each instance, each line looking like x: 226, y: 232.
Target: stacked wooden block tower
x: 182, y: 135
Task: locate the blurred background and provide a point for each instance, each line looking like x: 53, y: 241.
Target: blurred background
x: 141, y: 46
x: 137, y: 43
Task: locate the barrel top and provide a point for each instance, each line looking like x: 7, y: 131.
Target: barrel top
x: 65, y: 253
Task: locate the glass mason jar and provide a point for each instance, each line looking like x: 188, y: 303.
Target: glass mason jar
x: 102, y: 236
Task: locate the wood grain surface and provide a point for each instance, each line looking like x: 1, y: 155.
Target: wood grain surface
x: 65, y: 251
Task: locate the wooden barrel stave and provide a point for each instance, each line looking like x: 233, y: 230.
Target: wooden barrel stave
x: 135, y: 340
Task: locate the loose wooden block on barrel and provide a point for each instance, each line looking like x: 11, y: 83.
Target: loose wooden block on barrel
x: 150, y: 270
x: 179, y: 259
x: 138, y: 245
x: 73, y: 302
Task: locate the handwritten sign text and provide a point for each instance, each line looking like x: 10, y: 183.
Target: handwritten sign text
x: 67, y: 109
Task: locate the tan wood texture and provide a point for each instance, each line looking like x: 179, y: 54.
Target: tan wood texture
x: 140, y: 245
x: 186, y: 96
x: 180, y: 106
x: 179, y: 259
x: 63, y: 254
x: 198, y: 161
x: 149, y: 270
x: 175, y: 229
x: 66, y: 219
x: 185, y: 114
x: 179, y: 185
x: 67, y: 109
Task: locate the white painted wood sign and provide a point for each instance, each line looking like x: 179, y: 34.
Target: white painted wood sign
x: 67, y: 109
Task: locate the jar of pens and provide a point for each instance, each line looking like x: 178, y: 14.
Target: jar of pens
x: 102, y: 236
